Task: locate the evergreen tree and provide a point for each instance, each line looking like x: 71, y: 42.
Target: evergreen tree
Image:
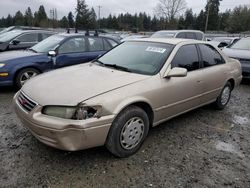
x: 71, y: 20
x: 19, y: 19
x: 189, y: 19
x: 213, y: 14
x: 92, y: 19
x: 200, y: 21
x: 181, y: 23
x: 28, y: 17
x: 64, y: 22
x: 82, y: 15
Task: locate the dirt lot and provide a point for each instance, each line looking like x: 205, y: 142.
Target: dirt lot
x: 203, y: 148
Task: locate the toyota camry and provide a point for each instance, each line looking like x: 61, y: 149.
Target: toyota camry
x: 116, y: 99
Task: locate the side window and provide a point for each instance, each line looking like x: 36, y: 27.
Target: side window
x: 181, y: 35
x: 107, y: 46
x: 29, y: 37
x: 199, y: 36
x: 186, y: 57
x: 210, y: 56
x: 95, y: 44
x: 190, y: 35
x: 73, y: 45
x: 112, y: 42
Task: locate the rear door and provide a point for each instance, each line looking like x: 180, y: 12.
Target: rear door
x: 72, y: 52
x: 214, y: 72
x: 96, y: 47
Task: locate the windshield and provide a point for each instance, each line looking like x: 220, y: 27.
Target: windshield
x: 5, y: 37
x: 242, y: 44
x: 139, y: 57
x: 48, y: 44
x: 163, y: 34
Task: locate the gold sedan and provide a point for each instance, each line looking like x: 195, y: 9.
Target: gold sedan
x: 114, y: 100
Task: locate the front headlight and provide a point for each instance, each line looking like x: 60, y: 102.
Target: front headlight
x: 79, y: 112
x: 2, y: 65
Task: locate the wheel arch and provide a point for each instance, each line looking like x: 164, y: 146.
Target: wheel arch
x: 22, y: 68
x: 141, y: 103
x: 232, y: 82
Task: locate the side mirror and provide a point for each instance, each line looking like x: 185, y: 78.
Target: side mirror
x: 177, y: 72
x: 15, y: 42
x: 52, y: 53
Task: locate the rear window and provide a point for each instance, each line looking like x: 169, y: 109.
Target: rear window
x: 163, y: 34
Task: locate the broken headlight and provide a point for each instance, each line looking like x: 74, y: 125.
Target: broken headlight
x: 79, y: 112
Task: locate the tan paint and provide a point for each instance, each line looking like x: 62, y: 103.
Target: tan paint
x: 115, y: 90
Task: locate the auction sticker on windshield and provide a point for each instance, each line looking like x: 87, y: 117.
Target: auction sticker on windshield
x: 155, y: 49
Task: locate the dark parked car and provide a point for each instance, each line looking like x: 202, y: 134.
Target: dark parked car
x: 57, y: 51
x: 241, y: 50
x: 22, y: 39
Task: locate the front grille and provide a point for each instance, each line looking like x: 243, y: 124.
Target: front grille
x: 26, y: 102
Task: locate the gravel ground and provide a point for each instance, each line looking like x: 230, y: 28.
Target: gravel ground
x: 203, y: 148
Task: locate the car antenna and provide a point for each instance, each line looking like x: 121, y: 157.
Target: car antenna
x: 87, y: 33
x: 96, y: 33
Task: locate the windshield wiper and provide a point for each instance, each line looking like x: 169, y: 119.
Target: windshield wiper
x: 115, y: 66
x: 32, y: 50
x: 118, y: 67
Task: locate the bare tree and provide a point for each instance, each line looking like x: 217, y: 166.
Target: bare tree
x: 169, y: 9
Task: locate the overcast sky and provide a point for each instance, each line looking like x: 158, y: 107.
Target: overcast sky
x: 108, y: 6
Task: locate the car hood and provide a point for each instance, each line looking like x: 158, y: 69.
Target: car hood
x: 69, y: 86
x: 234, y: 53
x: 11, y: 55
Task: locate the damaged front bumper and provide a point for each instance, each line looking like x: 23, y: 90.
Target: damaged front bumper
x: 65, y: 134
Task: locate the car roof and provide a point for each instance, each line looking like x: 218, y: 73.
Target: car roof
x: 177, y: 31
x: 173, y: 41
x: 33, y: 31
x: 83, y: 34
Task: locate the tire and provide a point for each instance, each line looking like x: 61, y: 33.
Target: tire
x: 128, y: 131
x: 224, y: 97
x: 19, y: 79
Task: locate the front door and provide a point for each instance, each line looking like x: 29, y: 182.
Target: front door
x: 182, y: 93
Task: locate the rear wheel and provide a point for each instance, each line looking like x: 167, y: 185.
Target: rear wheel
x: 128, y: 131
x: 224, y: 97
x: 24, y: 75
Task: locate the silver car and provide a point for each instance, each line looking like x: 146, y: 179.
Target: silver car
x: 241, y: 51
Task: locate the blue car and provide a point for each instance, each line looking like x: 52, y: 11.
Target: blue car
x: 57, y: 51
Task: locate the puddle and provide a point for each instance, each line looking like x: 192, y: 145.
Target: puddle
x: 227, y: 147
x: 241, y: 120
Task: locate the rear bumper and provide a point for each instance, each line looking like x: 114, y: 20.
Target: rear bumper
x: 69, y: 135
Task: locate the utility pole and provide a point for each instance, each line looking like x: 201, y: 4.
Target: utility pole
x: 208, y: 10
x: 99, y: 16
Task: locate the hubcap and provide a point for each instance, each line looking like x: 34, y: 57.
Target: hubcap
x: 132, y: 133
x: 225, y: 95
x: 26, y: 76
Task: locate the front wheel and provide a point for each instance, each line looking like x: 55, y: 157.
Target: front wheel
x: 24, y: 75
x: 224, y: 97
x: 128, y: 131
